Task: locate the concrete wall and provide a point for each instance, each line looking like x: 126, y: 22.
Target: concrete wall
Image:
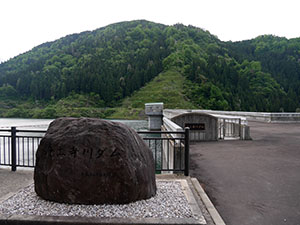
x: 251, y: 116
x: 203, y: 127
x: 261, y: 116
x: 285, y: 117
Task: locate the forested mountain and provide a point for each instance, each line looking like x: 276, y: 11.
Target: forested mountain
x: 112, y: 62
x: 277, y: 56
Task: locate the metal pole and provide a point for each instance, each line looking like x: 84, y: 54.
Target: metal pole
x: 187, y: 151
x: 13, y: 149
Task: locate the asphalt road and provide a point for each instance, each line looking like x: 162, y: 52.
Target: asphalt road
x: 253, y: 182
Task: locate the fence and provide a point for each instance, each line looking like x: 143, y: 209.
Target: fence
x: 229, y: 128
x: 18, y: 148
x: 170, y: 149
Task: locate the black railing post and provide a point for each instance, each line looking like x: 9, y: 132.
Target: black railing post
x: 187, y: 151
x: 13, y: 149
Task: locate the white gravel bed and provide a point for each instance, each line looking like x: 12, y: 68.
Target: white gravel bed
x: 169, y: 202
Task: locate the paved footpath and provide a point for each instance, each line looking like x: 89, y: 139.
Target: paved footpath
x: 11, y: 182
x: 253, y: 182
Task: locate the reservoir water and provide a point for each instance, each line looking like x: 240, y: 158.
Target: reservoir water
x: 42, y: 124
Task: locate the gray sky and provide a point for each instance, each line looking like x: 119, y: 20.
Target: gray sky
x: 25, y: 24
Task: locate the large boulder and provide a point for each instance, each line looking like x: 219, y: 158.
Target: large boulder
x: 93, y: 161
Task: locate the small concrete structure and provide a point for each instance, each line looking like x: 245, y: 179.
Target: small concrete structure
x: 154, y: 111
x: 203, y: 127
x: 229, y: 126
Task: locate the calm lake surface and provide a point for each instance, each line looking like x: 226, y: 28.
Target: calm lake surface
x: 42, y: 124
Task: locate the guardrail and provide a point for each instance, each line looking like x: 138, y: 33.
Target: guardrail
x: 18, y: 148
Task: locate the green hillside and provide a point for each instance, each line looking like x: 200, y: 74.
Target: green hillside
x: 278, y: 56
x: 110, y: 67
x: 167, y: 87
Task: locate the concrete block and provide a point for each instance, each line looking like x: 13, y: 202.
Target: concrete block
x: 154, y: 111
x: 154, y: 108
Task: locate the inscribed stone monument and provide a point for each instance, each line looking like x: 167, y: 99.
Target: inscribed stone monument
x: 93, y: 161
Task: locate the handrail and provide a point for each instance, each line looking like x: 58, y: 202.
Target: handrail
x: 24, y: 131
x: 5, y: 130
x: 31, y: 131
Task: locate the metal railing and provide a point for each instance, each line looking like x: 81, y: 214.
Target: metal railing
x: 171, y: 152
x: 18, y: 147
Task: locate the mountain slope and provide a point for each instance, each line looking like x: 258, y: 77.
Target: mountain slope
x: 115, y: 61
x: 112, y: 61
x: 167, y: 87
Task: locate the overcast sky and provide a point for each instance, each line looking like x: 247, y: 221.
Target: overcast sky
x: 25, y: 24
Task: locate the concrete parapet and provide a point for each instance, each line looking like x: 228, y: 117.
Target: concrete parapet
x: 251, y: 116
x: 262, y: 116
x: 169, y: 125
x: 285, y: 117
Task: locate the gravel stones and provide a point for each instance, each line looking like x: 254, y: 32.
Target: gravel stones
x: 93, y: 161
x: 170, y: 202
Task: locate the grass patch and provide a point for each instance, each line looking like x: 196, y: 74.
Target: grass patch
x: 167, y: 87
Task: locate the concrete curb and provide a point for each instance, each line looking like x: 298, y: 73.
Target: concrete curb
x: 209, y: 205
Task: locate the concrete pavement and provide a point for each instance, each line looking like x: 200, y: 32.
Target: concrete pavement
x: 253, y: 182
x: 12, y: 182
